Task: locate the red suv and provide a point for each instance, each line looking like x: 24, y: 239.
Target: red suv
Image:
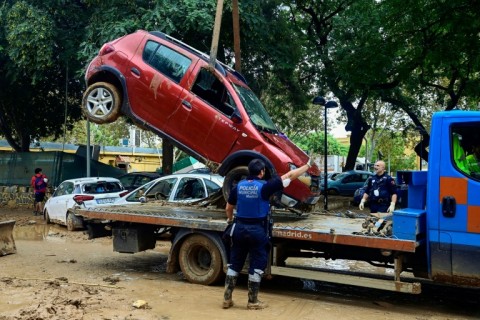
x: 167, y: 87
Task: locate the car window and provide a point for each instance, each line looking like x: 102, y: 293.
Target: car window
x: 350, y: 178
x: 141, y: 180
x: 161, y: 190
x: 255, y: 110
x: 212, y: 187
x: 189, y: 188
x: 365, y: 177
x: 169, y: 62
x: 127, y: 180
x: 100, y: 187
x: 210, y: 89
x: 65, y: 188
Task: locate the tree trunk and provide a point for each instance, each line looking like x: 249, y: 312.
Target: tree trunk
x: 167, y: 157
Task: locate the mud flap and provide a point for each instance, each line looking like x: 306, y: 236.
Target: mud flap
x: 7, y: 243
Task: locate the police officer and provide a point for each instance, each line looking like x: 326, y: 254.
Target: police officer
x: 381, y: 190
x: 250, y: 228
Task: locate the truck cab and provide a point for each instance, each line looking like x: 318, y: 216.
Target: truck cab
x: 453, y: 201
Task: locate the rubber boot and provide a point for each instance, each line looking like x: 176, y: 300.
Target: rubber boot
x: 253, y: 302
x: 230, y: 282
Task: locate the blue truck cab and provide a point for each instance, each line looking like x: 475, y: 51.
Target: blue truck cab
x: 443, y: 211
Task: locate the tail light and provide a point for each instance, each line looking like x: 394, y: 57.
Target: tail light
x: 80, y: 198
x: 106, y: 49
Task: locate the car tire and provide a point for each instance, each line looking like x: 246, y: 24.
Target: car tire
x: 232, y: 178
x: 200, y: 260
x: 102, y: 103
x: 46, y: 216
x: 333, y: 192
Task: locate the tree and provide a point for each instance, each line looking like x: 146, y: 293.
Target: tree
x: 315, y: 142
x: 38, y: 41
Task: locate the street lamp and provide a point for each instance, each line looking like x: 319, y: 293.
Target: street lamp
x: 328, y: 105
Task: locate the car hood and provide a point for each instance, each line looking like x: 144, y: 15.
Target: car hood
x: 298, y: 157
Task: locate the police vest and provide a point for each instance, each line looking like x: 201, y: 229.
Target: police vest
x: 379, y: 184
x: 249, y: 200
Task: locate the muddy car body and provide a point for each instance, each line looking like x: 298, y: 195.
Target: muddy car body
x: 167, y: 87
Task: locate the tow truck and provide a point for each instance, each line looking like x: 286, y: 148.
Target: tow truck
x: 436, y: 237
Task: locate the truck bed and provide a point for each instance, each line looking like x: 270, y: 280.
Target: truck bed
x: 313, y: 228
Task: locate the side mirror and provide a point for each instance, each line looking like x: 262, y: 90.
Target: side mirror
x: 142, y: 199
x: 236, y: 118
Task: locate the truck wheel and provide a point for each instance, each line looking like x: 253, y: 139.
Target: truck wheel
x: 232, y: 178
x: 200, y: 260
x: 101, y: 103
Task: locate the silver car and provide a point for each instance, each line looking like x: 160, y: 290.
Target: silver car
x: 185, y: 187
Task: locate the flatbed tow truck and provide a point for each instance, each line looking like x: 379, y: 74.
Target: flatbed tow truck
x: 198, y: 249
x: 435, y: 238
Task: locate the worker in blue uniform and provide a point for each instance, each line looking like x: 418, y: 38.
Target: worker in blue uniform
x: 249, y: 232
x: 381, y: 191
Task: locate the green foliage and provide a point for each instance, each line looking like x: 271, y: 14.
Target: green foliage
x: 315, y: 142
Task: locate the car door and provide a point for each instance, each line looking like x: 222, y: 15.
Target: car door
x: 204, y: 116
x: 154, y: 81
x: 351, y: 183
x: 57, y: 205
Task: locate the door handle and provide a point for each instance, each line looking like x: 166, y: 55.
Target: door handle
x: 449, y: 206
x: 135, y: 71
x: 187, y: 104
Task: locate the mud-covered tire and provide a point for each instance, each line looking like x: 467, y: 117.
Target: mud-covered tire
x: 70, y: 222
x: 46, y: 216
x: 102, y: 103
x: 232, y: 178
x: 200, y: 260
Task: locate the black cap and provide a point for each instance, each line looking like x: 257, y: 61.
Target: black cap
x: 255, y: 166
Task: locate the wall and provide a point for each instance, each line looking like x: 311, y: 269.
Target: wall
x: 18, y: 196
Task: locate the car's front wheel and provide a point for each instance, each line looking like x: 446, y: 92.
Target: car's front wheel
x: 101, y: 103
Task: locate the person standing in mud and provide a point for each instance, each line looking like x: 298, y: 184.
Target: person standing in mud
x: 39, y: 184
x: 381, y: 190
x: 250, y: 228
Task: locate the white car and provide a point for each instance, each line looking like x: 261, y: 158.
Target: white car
x: 185, y: 187
x: 93, y: 191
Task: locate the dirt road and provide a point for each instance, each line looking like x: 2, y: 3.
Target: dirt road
x: 57, y: 274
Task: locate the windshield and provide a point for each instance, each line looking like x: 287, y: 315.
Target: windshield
x: 255, y: 110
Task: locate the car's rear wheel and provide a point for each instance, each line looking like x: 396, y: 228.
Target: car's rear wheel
x: 101, y: 103
x: 232, y: 178
x: 70, y: 222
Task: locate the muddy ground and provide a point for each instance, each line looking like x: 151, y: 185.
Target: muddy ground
x: 57, y: 274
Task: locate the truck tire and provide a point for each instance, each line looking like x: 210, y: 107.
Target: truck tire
x: 232, y: 178
x: 101, y: 103
x: 200, y: 260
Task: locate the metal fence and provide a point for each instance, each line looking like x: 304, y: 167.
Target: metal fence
x: 17, y: 168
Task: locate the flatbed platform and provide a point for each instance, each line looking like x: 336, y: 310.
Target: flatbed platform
x: 312, y: 228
